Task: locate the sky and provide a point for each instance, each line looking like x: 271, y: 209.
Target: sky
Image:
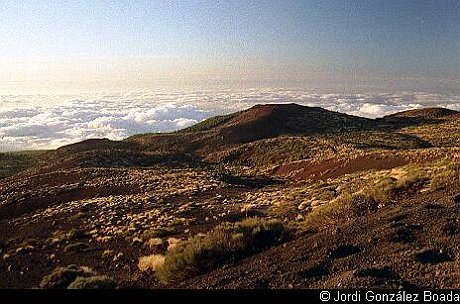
x: 73, y: 70
x: 354, y: 43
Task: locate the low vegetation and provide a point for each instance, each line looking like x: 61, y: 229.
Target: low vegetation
x: 367, y: 199
x: 209, y: 123
x: 445, y: 175
x: 224, y: 244
x: 95, y: 282
x: 62, y: 277
x: 158, y: 232
x: 75, y: 277
x: 14, y: 162
x: 151, y: 262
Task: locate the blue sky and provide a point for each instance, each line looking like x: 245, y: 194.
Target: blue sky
x: 392, y: 38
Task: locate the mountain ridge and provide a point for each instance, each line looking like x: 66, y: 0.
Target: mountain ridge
x: 211, y: 139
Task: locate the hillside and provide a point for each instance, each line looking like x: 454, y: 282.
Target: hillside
x: 425, y: 113
x: 213, y: 139
x: 275, y: 196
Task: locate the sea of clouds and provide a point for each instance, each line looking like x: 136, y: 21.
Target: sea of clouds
x: 50, y: 121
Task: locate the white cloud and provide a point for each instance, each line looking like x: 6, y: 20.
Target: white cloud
x: 47, y: 121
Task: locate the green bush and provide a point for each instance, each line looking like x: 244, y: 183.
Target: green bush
x: 61, y: 277
x: 224, y: 244
x: 96, y: 282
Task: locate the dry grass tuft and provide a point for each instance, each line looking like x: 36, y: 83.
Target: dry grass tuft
x: 224, y: 244
x: 151, y: 262
x: 368, y: 199
x: 445, y: 175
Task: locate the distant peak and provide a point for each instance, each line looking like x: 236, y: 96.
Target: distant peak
x: 279, y: 106
x: 424, y: 113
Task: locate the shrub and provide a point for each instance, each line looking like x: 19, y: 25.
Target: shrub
x: 76, y: 216
x: 225, y: 243
x: 61, y: 277
x: 345, y: 207
x: 155, y: 243
x: 76, y: 234
x: 414, y: 177
x: 95, y: 282
x: 150, y: 262
x: 351, y: 205
x: 445, y: 176
x: 158, y: 232
x: 76, y: 247
x: 72, y: 235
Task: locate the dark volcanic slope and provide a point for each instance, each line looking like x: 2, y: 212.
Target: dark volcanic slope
x: 271, y: 120
x: 256, y: 123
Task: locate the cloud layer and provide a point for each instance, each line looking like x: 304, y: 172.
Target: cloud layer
x: 45, y: 121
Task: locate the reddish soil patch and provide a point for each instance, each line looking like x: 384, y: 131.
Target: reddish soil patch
x: 332, y: 168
